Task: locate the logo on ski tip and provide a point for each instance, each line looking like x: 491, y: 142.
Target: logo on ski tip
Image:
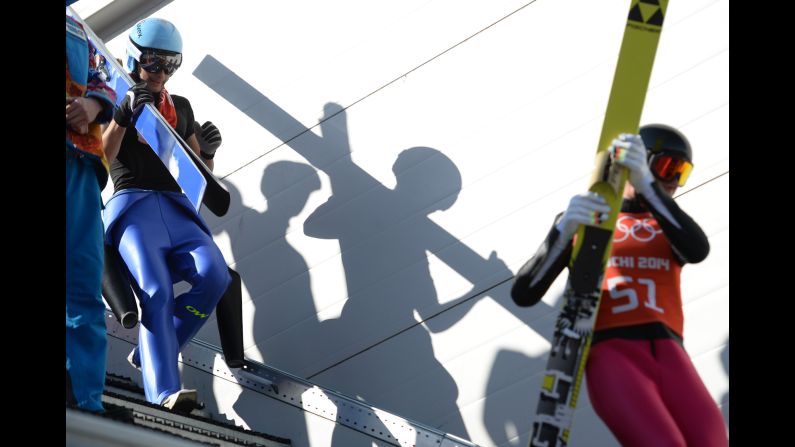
x: 648, y: 12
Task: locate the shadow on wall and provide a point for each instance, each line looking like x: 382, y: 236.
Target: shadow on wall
x: 273, y: 259
x: 511, y: 392
x: 384, y: 237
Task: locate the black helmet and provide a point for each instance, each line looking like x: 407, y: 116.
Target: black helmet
x: 659, y: 138
x: 669, y: 152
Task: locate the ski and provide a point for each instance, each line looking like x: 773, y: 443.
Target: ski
x: 196, y: 180
x: 572, y: 337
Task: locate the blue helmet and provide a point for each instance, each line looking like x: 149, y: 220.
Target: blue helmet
x: 152, y: 34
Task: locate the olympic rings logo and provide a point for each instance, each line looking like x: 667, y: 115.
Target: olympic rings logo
x: 640, y: 230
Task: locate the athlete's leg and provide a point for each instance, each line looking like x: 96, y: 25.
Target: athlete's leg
x: 621, y: 385
x: 688, y: 400
x: 194, y: 258
x: 85, y: 312
x: 143, y: 240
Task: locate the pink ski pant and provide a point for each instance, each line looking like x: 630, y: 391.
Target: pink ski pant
x: 649, y: 394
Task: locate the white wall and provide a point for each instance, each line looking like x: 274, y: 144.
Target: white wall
x: 511, y: 95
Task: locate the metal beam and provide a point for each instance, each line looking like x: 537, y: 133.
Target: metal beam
x: 120, y: 15
x: 255, y: 377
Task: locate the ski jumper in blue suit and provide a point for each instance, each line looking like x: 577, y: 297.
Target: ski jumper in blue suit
x: 86, y: 175
x: 162, y: 240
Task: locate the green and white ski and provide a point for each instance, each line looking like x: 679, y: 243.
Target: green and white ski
x: 574, y: 326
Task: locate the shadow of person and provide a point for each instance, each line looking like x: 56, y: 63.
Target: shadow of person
x: 384, y: 236
x: 273, y: 272
x: 278, y: 276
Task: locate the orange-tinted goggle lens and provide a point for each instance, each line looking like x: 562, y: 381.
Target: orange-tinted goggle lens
x: 666, y: 168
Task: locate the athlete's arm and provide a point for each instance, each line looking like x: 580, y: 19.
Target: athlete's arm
x: 193, y: 143
x: 687, y: 239
x: 535, y: 277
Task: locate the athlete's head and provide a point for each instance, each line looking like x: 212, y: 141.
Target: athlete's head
x: 670, y: 155
x: 154, y: 51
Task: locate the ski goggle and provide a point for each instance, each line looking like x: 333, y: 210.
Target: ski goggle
x: 666, y: 168
x: 153, y: 62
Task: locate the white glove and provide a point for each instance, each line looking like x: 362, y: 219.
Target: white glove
x: 584, y: 209
x: 629, y: 151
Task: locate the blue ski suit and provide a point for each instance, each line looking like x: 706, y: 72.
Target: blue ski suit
x: 162, y: 240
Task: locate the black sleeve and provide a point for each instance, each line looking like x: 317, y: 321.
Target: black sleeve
x: 189, y: 117
x: 535, y: 277
x: 184, y: 116
x: 687, y: 239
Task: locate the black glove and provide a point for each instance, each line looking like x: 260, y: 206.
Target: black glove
x: 136, y: 97
x: 209, y: 138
